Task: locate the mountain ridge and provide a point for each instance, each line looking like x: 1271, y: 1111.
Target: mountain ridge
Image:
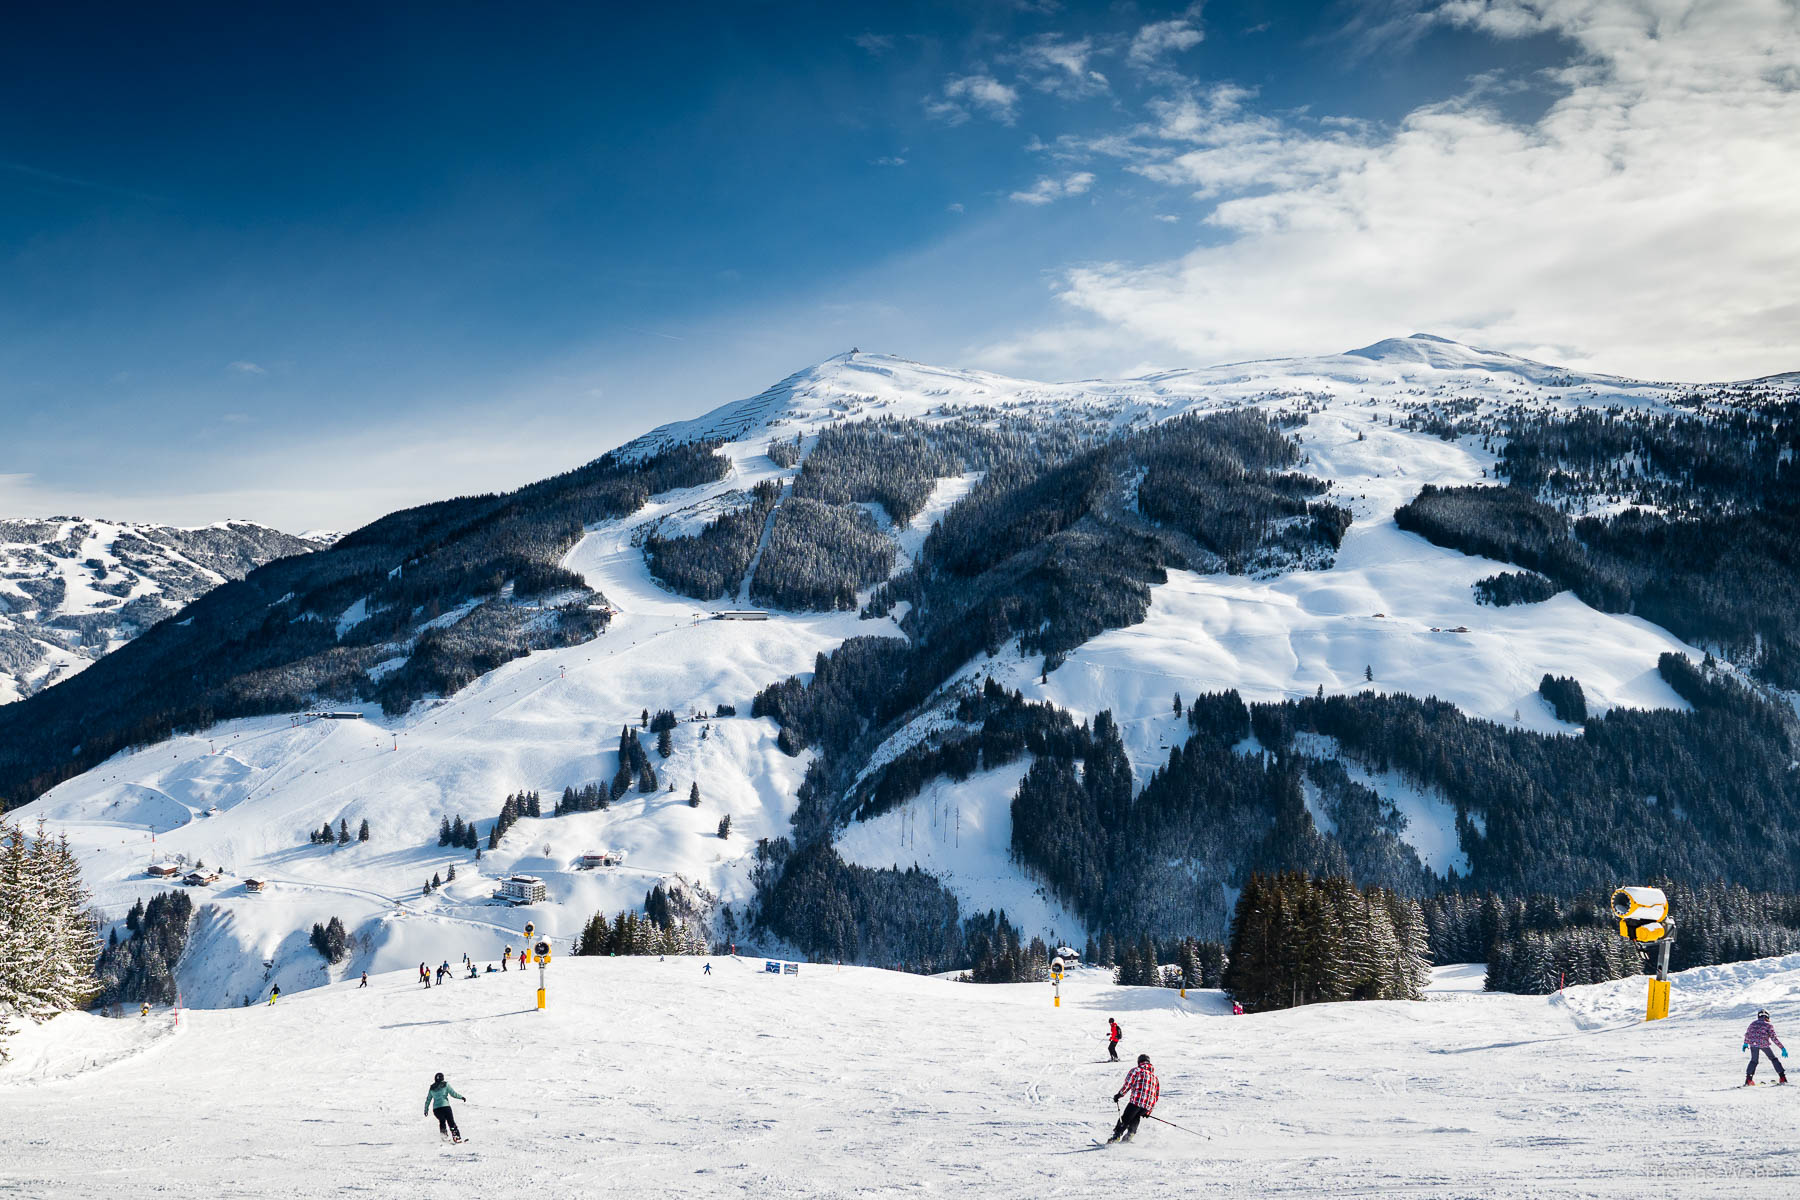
x: 75, y: 588
x: 1001, y: 563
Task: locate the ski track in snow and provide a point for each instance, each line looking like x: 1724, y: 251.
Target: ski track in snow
x: 644, y: 1077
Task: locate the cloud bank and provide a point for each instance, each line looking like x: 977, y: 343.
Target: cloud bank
x: 1647, y: 222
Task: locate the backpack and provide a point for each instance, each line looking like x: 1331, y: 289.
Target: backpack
x: 1118, y: 1032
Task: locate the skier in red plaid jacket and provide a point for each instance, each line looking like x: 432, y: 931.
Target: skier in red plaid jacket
x: 1141, y: 1084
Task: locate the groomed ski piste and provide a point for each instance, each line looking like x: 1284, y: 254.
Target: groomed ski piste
x: 648, y: 1078
x: 242, y: 797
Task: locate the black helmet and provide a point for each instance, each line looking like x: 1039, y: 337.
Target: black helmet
x: 1143, y: 1060
x: 438, y: 1078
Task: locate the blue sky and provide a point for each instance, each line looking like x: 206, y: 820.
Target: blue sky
x: 310, y: 265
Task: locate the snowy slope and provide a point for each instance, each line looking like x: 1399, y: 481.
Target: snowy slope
x: 73, y: 590
x: 1391, y: 604
x: 647, y: 1078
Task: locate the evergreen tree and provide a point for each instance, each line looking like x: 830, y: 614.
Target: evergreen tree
x: 362, y: 831
x: 343, y: 834
x: 725, y: 826
x: 444, y: 832
x: 48, y: 943
x: 694, y: 794
x: 665, y: 743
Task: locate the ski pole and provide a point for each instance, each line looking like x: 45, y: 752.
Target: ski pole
x: 1183, y: 1128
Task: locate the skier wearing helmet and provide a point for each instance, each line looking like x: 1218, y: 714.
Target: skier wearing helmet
x: 1757, y: 1040
x: 437, y: 1104
x: 1142, y: 1085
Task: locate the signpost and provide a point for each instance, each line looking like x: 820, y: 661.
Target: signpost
x: 1643, y: 914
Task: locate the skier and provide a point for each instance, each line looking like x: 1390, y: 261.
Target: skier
x: 1141, y: 1082
x: 365, y: 980
x: 437, y: 1104
x: 1756, y: 1041
x: 1237, y: 1009
x: 473, y: 973
x: 424, y: 975
x: 274, y: 993
x: 521, y: 960
x: 1113, y: 1034
x: 505, y: 957
x: 707, y: 970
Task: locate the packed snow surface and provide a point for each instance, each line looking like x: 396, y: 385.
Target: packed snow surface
x: 648, y: 1078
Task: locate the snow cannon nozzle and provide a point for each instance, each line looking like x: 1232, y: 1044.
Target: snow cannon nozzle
x: 1640, y: 904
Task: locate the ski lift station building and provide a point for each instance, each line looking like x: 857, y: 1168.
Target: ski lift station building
x: 524, y: 889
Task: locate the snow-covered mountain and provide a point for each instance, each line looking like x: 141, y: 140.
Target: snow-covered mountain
x: 1379, y: 612
x: 73, y: 589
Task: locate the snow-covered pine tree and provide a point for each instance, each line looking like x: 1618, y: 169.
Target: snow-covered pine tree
x: 694, y: 794
x: 48, y: 941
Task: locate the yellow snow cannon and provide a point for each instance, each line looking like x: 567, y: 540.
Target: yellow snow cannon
x: 1643, y: 914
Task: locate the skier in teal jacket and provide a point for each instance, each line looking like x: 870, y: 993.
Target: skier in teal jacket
x: 437, y: 1104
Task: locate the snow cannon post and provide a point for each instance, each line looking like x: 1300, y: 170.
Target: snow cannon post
x: 1643, y: 914
x: 542, y: 952
x: 1056, y: 974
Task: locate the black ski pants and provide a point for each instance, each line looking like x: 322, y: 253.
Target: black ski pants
x: 1756, y: 1052
x: 1128, y: 1122
x: 446, y: 1121
x: 1112, y: 1048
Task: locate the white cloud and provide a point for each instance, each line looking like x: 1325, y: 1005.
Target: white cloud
x: 245, y: 368
x: 876, y: 44
x: 889, y: 160
x: 1161, y: 38
x: 956, y: 208
x: 980, y: 92
x: 1646, y: 220
x: 1051, y: 63
x: 1049, y: 189
x: 1171, y: 218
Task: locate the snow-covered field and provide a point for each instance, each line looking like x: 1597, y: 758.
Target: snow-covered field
x: 245, y: 795
x: 646, y: 1078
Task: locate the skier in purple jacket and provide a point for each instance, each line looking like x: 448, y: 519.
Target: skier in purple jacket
x: 1756, y: 1040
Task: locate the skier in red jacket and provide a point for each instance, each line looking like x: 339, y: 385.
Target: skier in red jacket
x: 1113, y: 1034
x: 1141, y: 1084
